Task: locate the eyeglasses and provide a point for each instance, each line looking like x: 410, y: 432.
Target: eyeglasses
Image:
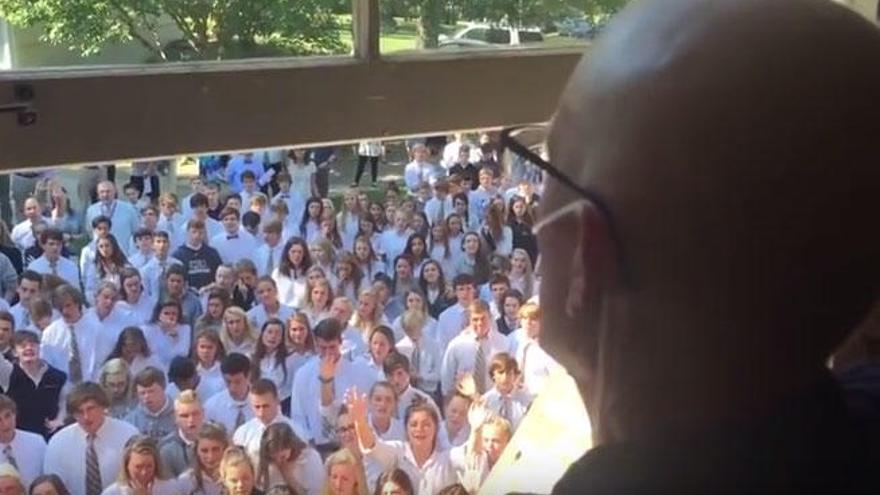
x: 527, y: 144
x: 344, y: 429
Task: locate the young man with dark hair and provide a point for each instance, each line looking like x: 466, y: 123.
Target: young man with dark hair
x: 269, y: 254
x: 22, y: 449
x: 199, y: 207
x: 176, y: 289
x: 200, y: 259
x: 101, y: 226
x: 472, y: 350
x: 183, y: 375
x: 142, y: 251
x: 76, y: 342
x: 321, y: 383
x: 7, y: 327
x: 87, y: 455
x: 511, y: 301
x: 51, y: 261
x: 396, y: 368
x: 30, y: 283
x: 454, y: 318
x: 250, y: 222
x: 34, y: 385
x: 230, y: 407
x: 153, y: 415
x: 234, y: 243
x: 264, y: 402
x: 153, y: 272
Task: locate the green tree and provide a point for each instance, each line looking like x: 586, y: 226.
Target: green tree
x: 205, y: 29
x: 534, y: 12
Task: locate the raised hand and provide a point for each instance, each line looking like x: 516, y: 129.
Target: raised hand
x: 472, y: 476
x: 356, y: 403
x: 478, y: 413
x: 466, y: 385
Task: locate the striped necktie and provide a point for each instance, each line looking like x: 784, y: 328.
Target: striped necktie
x: 75, y: 364
x: 93, y: 470
x: 480, y: 368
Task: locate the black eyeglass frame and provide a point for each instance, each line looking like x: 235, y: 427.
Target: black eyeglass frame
x: 509, y: 143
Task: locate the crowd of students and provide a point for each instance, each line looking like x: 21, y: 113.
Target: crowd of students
x: 253, y: 337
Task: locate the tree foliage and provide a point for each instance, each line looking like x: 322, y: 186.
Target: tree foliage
x: 203, y: 29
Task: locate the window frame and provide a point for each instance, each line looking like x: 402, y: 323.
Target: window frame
x: 99, y: 114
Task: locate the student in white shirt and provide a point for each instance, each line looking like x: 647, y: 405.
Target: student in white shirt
x: 142, y: 249
x: 344, y: 474
x: 203, y: 478
x: 348, y: 218
x: 318, y: 300
x: 124, y: 217
x: 131, y: 346
x: 233, y: 243
x: 134, y: 298
x: 472, y: 350
x: 107, y: 266
x: 420, y: 456
x: 263, y: 398
x: 348, y: 440
x: 321, y: 383
x: 237, y: 334
x: 414, y: 300
x: 69, y: 450
x: 353, y: 343
x: 348, y: 277
x: 506, y: 398
x: 453, y: 319
x: 393, y: 241
x: 207, y: 353
x: 300, y: 343
x: 294, y: 202
x: 167, y: 335
x: 22, y: 233
x: 365, y: 256
x: 290, y: 275
x: 269, y: 306
x: 397, y: 369
x: 270, y: 360
x: 51, y: 262
x: 75, y: 344
x: 455, y: 430
x: 440, y: 206
x: 116, y: 380
x: 30, y: 284
x: 112, y: 316
x: 268, y: 255
x: 20, y: 448
x: 383, y: 412
x: 421, y: 351
x: 285, y: 459
x: 230, y: 407
x: 141, y: 467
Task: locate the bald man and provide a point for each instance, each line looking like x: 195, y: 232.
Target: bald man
x: 124, y: 218
x: 729, y: 151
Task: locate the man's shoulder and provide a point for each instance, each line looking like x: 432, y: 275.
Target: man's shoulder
x: 29, y: 439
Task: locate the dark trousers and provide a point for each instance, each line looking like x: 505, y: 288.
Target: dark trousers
x: 322, y: 181
x: 362, y: 162
x: 139, y: 183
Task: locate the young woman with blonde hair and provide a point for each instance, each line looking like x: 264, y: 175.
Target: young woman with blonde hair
x: 345, y: 475
x: 141, y: 470
x: 204, y: 476
x: 236, y: 334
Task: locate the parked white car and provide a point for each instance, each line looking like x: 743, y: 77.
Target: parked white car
x: 476, y: 35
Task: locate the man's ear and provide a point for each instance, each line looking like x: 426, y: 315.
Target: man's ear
x: 594, y: 263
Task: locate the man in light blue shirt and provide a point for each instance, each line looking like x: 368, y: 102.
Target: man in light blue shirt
x: 123, y: 216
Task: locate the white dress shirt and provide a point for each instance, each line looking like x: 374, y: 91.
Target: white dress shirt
x: 535, y: 365
x: 212, y: 376
x: 261, y: 257
x: 117, y: 320
x: 450, y: 324
x: 430, y: 360
x: 443, y: 440
x: 461, y: 355
x: 66, y: 453
x: 64, y: 268
x: 209, y: 486
x: 353, y: 342
x: 305, y: 406
x: 139, y: 259
x: 435, y: 213
x: 160, y: 487
x: 291, y: 291
x: 23, y: 235
x: 250, y: 433
x: 223, y: 409
x: 28, y: 450
x: 234, y: 247
x: 518, y: 402
x: 396, y: 430
x: 164, y: 346
x: 151, y: 274
x: 141, y: 311
x: 271, y: 369
x: 429, y: 330
x: 258, y: 315
x: 94, y: 345
x: 308, y: 471
x: 434, y: 475
x: 124, y: 219
x: 392, y: 243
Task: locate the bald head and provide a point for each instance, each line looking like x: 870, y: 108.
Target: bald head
x: 733, y: 142
x: 106, y: 191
